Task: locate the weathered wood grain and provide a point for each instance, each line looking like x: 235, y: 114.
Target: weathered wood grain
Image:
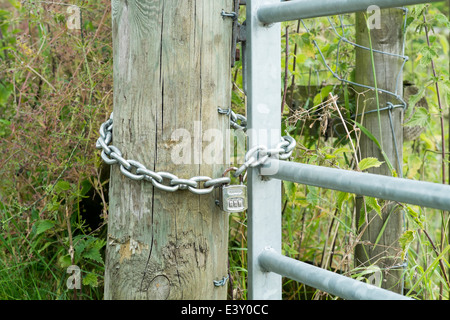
x: 171, y: 72
x: 389, y: 38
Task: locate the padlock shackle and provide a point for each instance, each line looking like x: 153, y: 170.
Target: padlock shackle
x: 241, y: 178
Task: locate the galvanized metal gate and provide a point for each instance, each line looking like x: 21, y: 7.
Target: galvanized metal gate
x: 263, y: 86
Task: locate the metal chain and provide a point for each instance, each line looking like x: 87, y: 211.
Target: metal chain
x: 237, y: 121
x: 135, y: 170
x: 222, y: 282
x: 258, y: 155
x: 283, y: 150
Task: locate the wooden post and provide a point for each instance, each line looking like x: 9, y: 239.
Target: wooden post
x: 171, y: 73
x: 387, y: 36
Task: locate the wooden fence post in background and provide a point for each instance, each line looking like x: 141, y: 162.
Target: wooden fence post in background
x: 386, y: 230
x: 171, y: 73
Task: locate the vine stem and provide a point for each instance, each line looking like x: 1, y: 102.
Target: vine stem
x: 441, y: 263
x: 286, y: 70
x: 436, y: 83
x: 443, y: 153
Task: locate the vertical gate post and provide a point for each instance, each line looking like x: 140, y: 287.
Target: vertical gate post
x: 388, y: 130
x: 263, y: 56
x: 171, y: 72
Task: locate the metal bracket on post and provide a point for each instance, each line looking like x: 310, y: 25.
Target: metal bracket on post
x: 242, y: 38
x: 238, y: 36
x: 232, y: 15
x: 233, y: 55
x: 239, y: 33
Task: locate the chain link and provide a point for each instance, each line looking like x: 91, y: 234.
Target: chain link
x: 237, y: 121
x: 135, y: 170
x: 258, y: 155
x: 282, y: 151
x: 222, y: 282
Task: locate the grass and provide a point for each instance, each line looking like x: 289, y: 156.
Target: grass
x: 56, y: 84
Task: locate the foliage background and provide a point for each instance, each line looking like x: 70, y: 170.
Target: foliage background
x: 56, y: 90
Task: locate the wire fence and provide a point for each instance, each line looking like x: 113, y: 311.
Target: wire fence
x: 340, y: 33
x: 260, y: 282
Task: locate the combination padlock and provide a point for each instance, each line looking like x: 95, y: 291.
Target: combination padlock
x: 233, y: 197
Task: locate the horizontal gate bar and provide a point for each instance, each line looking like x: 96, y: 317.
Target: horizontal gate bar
x: 303, y: 9
x: 426, y: 194
x: 322, y: 279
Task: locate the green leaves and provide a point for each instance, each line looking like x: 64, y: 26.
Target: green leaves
x: 43, y: 225
x: 372, y: 203
x: 85, y: 247
x: 369, y: 162
x: 61, y: 186
x: 341, y: 198
x: 5, y: 128
x: 322, y: 95
x: 93, y: 253
x: 420, y: 118
x: 90, y: 280
x: 415, y: 98
x: 428, y: 54
x: 15, y: 3
x: 405, y: 241
x: 417, y: 217
x: 88, y: 247
x: 6, y: 90
x: 290, y: 188
x: 313, y: 195
x: 375, y: 140
x: 442, y: 20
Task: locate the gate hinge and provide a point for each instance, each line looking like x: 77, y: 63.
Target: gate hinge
x: 238, y: 34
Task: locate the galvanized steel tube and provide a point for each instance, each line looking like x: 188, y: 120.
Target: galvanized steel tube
x: 426, y: 194
x: 322, y: 279
x: 302, y: 9
x: 263, y: 74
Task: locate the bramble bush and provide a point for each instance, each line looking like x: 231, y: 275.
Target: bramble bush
x: 55, y: 90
